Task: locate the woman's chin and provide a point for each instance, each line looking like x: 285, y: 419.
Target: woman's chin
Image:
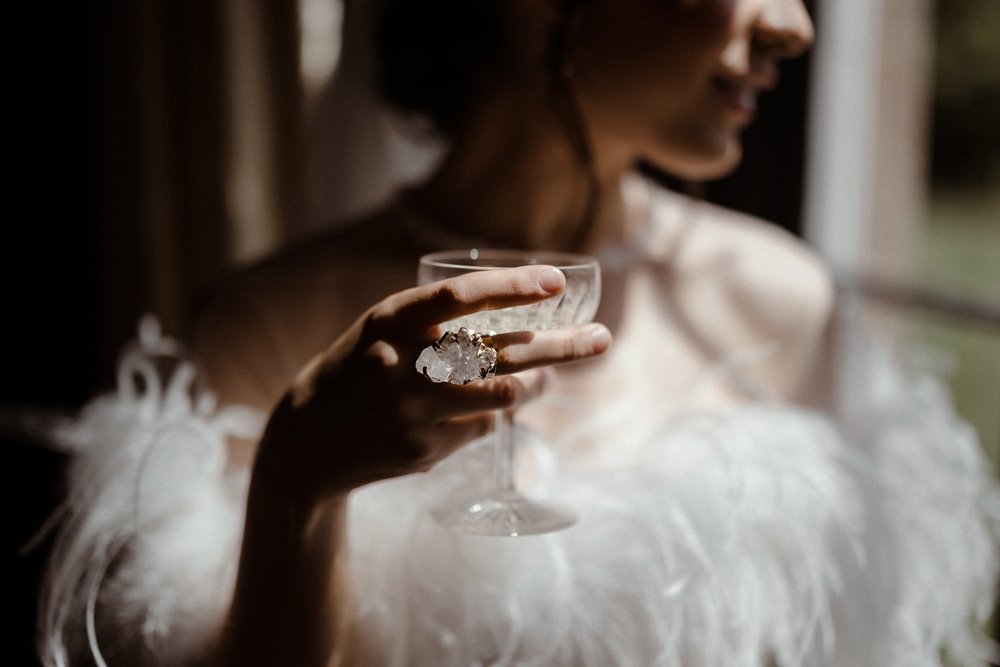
x: 705, y: 164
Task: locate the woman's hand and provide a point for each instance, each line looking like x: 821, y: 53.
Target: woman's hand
x: 360, y: 412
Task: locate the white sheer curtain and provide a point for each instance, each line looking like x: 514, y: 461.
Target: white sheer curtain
x: 866, y: 181
x: 358, y: 152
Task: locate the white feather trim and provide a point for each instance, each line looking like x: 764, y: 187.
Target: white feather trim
x: 940, y: 505
x: 152, y: 520
x: 730, y: 538
x: 722, y: 560
x: 727, y: 538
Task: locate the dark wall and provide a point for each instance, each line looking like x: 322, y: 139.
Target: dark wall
x: 48, y: 269
x: 49, y: 272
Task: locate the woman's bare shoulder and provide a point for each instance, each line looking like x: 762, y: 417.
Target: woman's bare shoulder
x: 749, y: 281
x: 775, y: 274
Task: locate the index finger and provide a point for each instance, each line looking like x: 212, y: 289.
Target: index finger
x: 420, y: 308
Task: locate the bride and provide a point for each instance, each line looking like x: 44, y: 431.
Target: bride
x: 732, y: 513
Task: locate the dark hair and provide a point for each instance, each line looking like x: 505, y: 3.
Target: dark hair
x: 433, y: 54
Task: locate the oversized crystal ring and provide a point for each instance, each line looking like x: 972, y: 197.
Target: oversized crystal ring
x: 460, y: 357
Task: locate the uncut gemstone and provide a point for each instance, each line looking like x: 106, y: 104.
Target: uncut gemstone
x: 465, y: 354
x: 437, y: 366
x: 457, y: 359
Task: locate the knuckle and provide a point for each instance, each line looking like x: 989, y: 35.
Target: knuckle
x: 469, y: 431
x: 483, y: 426
x: 418, y: 457
x: 381, y: 354
x: 534, y: 383
x: 415, y: 451
x: 506, y: 392
x: 521, y: 283
x: 580, y: 344
x: 583, y: 341
x: 516, y: 284
x: 379, y: 318
x: 449, y: 294
x: 411, y: 409
x: 569, y: 347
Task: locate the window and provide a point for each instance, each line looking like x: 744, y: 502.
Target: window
x: 903, y: 196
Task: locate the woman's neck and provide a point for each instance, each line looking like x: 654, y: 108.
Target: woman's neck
x: 514, y: 179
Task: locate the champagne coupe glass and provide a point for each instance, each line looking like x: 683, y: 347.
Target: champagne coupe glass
x: 504, y: 511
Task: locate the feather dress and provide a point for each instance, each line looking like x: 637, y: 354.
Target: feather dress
x: 761, y: 534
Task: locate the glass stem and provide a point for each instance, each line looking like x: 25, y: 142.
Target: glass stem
x: 504, y: 448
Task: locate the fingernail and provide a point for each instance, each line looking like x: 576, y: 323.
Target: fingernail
x: 551, y: 280
x: 600, y: 337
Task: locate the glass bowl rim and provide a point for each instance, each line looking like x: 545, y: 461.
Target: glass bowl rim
x: 564, y: 261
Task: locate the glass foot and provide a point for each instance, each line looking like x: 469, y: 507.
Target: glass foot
x: 506, y: 516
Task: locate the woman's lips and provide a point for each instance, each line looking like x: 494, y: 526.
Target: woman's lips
x: 740, y: 96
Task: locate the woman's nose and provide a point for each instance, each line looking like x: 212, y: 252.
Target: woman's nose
x: 784, y: 28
